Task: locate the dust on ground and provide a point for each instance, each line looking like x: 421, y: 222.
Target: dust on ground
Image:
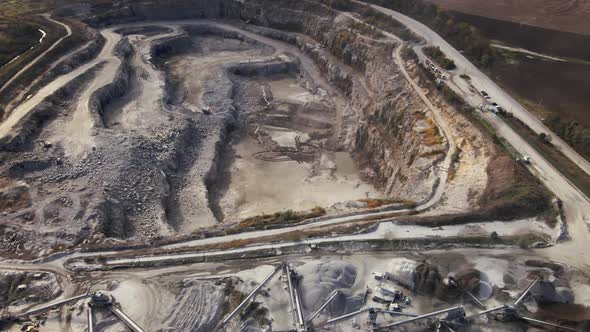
x: 284, y: 161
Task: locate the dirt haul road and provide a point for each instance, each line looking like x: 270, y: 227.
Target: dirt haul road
x: 106, y: 55
x: 385, y: 230
x: 78, y: 132
x: 78, y: 129
x: 112, y: 64
x: 575, y: 204
x: 110, y: 68
x: 482, y: 82
x: 7, y: 126
x: 146, y: 106
x: 106, y: 74
x: 40, y: 56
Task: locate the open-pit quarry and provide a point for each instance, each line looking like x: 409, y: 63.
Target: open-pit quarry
x: 263, y: 165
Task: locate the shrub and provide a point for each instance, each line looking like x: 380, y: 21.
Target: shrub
x: 288, y: 216
x: 459, y: 34
x: 439, y: 57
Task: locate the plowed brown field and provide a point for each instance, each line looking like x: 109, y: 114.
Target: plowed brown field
x: 562, y: 15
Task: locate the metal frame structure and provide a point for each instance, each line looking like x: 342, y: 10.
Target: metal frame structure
x: 323, y: 305
x: 300, y: 322
x: 511, y: 311
x: 104, y: 300
x: 247, y: 299
x: 454, y: 310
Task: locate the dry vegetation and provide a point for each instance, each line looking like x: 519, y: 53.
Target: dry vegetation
x: 459, y: 34
x: 430, y: 135
x: 366, y: 30
x: 285, y: 217
x: 512, y: 192
x: 568, y: 168
x: 373, y: 203
x: 16, y: 38
x: 439, y: 57
x: 17, y: 8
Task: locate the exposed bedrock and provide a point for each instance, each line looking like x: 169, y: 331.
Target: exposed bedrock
x: 208, y: 161
x: 66, y: 65
x: 167, y: 47
x: 208, y: 29
x: 217, y: 179
x: 387, y: 124
x: 267, y: 68
x: 85, y: 54
x: 169, y: 169
x: 30, y: 126
x: 117, y: 88
x: 388, y: 129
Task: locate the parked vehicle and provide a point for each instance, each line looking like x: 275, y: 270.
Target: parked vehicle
x: 524, y: 160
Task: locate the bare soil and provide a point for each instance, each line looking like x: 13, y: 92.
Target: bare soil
x: 556, y: 87
x: 282, y: 160
x: 547, y: 41
x: 563, y: 15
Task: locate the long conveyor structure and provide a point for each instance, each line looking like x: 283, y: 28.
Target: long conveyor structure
x: 247, y: 299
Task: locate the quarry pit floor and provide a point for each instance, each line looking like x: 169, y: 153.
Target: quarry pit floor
x: 264, y: 143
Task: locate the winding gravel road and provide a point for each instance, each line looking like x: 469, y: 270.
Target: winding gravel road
x: 78, y: 132
x: 483, y: 82
x: 42, y: 55
x: 7, y: 126
x: 576, y: 205
x: 106, y: 74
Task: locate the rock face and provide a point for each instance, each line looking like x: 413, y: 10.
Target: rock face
x: 386, y: 125
x: 133, y: 11
x: 132, y: 191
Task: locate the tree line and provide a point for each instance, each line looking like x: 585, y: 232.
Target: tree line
x: 572, y: 132
x: 460, y: 34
